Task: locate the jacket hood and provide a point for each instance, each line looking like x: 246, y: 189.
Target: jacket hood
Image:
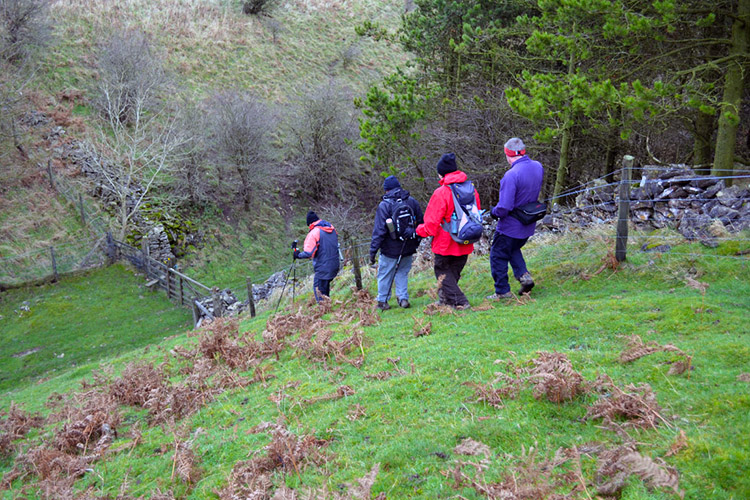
x: 453, y: 178
x: 323, y: 225
x: 396, y: 194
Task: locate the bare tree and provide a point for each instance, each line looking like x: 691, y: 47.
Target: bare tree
x: 131, y: 77
x: 136, y: 146
x: 322, y: 126
x: 24, y: 27
x: 193, y: 182
x: 240, y: 128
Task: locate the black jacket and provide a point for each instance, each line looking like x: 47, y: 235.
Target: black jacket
x: 381, y: 240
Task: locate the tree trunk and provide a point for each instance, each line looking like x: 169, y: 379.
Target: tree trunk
x: 562, y: 167
x: 610, y: 159
x: 733, y: 86
x: 704, y: 129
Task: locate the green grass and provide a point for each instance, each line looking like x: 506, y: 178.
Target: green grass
x: 80, y: 320
x: 413, y: 421
x: 212, y: 45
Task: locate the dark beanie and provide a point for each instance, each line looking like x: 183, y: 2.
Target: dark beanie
x: 446, y: 164
x: 391, y: 183
x: 312, y: 217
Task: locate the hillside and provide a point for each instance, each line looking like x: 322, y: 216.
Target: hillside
x: 206, y: 48
x: 640, y: 370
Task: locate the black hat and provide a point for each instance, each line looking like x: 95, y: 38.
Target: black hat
x: 446, y: 164
x: 312, y: 217
x: 391, y: 182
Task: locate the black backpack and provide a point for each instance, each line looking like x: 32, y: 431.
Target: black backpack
x: 404, y: 221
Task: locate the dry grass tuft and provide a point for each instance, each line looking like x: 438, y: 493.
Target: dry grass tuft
x: 90, y: 422
x: 15, y: 425
x: 286, y: 452
x: 356, y: 411
x: 637, y: 404
x: 340, y: 393
x: 435, y: 308
x: 617, y: 465
x: 138, y: 380
x: 637, y: 349
x: 553, y: 376
x: 422, y: 327
x: 221, y: 339
x: 531, y: 478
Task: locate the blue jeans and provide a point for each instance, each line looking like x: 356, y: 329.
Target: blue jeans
x: 388, y: 274
x: 506, y: 250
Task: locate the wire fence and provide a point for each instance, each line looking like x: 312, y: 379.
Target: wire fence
x: 597, y: 202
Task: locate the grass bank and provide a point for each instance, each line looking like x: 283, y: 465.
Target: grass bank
x: 385, y: 402
x: 54, y: 328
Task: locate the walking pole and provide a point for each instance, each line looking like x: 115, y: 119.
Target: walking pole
x: 294, y: 272
x: 292, y: 269
x: 284, y: 287
x: 398, y: 263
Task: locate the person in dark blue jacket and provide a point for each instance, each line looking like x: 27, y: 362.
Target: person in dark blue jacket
x: 396, y: 250
x: 322, y: 245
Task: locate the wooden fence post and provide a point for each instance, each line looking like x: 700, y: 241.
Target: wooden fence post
x: 111, y: 250
x: 144, y: 247
x: 355, y: 266
x: 250, y: 299
x: 196, y: 311
x: 217, y: 302
x: 80, y: 208
x: 49, y: 173
x: 169, y: 283
x: 54, y: 262
x: 181, y: 292
x: 623, y: 215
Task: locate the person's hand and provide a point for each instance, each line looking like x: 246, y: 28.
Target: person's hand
x: 372, y: 260
x: 296, y: 253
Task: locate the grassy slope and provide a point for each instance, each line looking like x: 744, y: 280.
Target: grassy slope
x: 414, y: 420
x: 212, y: 45
x: 79, y: 321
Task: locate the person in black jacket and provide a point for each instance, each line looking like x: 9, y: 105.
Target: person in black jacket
x: 397, y: 240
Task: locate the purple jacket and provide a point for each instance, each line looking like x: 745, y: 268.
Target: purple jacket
x: 520, y: 185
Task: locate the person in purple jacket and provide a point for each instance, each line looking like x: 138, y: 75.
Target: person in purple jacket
x: 520, y: 185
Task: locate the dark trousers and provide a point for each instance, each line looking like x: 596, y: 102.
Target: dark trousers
x: 504, y: 250
x: 449, y: 267
x: 321, y: 287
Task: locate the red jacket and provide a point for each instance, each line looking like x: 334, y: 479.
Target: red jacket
x: 439, y: 210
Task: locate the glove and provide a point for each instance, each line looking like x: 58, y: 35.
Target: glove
x: 296, y: 253
x: 372, y: 259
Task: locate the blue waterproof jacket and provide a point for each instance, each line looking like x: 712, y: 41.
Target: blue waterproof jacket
x: 322, y: 244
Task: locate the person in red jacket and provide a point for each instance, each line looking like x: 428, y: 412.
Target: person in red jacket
x: 450, y: 256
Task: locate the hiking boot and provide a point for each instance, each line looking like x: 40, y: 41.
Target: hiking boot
x: 462, y: 307
x: 404, y: 303
x: 527, y: 283
x: 383, y: 306
x: 500, y: 296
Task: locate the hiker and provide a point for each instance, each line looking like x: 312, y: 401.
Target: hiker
x: 322, y: 245
x: 519, y: 186
x: 450, y: 255
x: 394, y: 234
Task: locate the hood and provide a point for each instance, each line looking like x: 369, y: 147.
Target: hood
x: 453, y: 178
x: 323, y: 225
x: 396, y: 194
